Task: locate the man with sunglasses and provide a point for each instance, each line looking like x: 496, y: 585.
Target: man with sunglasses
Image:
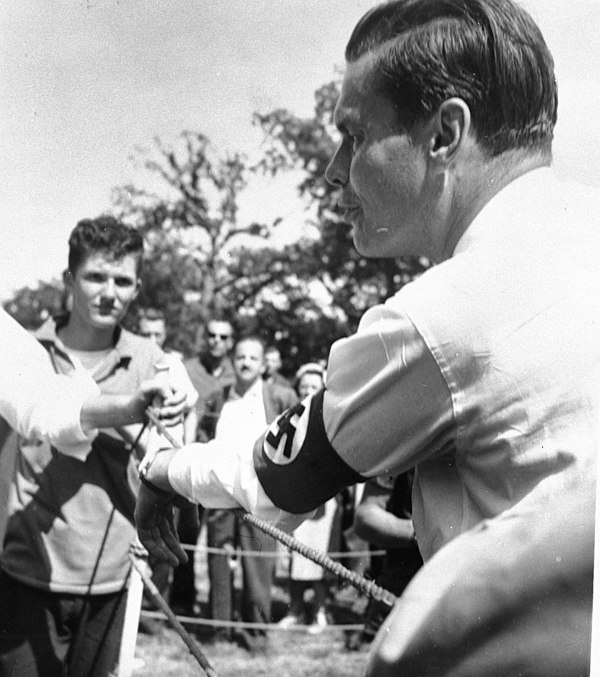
x: 211, y: 373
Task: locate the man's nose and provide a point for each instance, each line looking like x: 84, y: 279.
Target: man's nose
x: 337, y: 172
x: 109, y: 288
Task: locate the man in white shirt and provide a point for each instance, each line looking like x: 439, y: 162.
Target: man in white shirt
x: 483, y: 372
x: 250, y: 405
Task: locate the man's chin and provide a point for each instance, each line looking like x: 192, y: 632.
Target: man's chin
x: 105, y: 321
x: 369, y: 249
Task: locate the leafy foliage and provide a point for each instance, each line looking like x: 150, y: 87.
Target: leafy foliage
x: 32, y: 306
x: 200, y: 260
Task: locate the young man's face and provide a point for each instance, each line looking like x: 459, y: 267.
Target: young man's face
x: 248, y: 362
x: 380, y: 168
x: 219, y: 339
x: 154, y: 329
x: 102, y: 289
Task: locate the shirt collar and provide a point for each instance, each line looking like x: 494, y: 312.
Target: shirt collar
x: 508, y: 206
x: 121, y: 354
x: 254, y: 392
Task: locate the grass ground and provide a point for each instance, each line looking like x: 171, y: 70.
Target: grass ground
x: 291, y: 654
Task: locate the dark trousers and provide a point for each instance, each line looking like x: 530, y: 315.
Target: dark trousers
x: 48, y: 634
x: 226, y: 527
x: 183, y: 587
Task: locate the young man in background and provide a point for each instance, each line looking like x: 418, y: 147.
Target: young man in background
x: 64, y: 564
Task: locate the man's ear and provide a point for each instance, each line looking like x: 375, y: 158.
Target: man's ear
x: 67, y: 278
x: 138, y: 286
x: 451, y: 128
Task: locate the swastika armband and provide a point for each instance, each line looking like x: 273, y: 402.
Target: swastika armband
x: 295, y: 462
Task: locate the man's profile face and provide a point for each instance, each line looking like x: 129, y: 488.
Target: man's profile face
x: 380, y: 168
x: 219, y: 339
x: 154, y: 329
x: 102, y: 289
x: 248, y: 361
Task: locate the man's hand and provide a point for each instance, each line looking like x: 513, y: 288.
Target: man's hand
x: 155, y: 527
x: 172, y: 404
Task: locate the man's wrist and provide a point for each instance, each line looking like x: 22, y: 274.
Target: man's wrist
x: 154, y: 489
x: 154, y: 472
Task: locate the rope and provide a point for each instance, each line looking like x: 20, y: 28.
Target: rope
x: 188, y: 547
x: 181, y: 631
x: 212, y: 623
x: 367, y: 587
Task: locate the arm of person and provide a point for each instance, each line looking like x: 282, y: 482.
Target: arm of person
x: 376, y: 525
x: 105, y: 411
x: 179, y: 380
x: 67, y: 411
x: 190, y: 426
x: 386, y: 407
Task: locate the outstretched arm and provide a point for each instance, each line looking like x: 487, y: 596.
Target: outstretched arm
x: 384, y: 405
x: 104, y: 411
x: 66, y: 410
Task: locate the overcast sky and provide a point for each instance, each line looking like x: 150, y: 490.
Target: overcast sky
x: 82, y: 83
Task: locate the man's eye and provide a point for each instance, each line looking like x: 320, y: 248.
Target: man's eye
x: 124, y: 282
x: 95, y: 277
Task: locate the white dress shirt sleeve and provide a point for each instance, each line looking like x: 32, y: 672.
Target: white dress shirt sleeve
x: 218, y: 475
x: 35, y: 401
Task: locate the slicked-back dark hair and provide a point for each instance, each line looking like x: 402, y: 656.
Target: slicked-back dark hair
x: 107, y: 235
x: 490, y: 53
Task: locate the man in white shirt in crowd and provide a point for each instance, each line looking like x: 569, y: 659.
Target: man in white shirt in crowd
x: 250, y: 405
x: 482, y: 373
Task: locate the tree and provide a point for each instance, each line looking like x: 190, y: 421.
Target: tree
x: 198, y: 260
x: 32, y: 306
x: 190, y: 226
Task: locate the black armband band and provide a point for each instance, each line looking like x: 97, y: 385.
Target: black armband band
x: 296, y: 464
